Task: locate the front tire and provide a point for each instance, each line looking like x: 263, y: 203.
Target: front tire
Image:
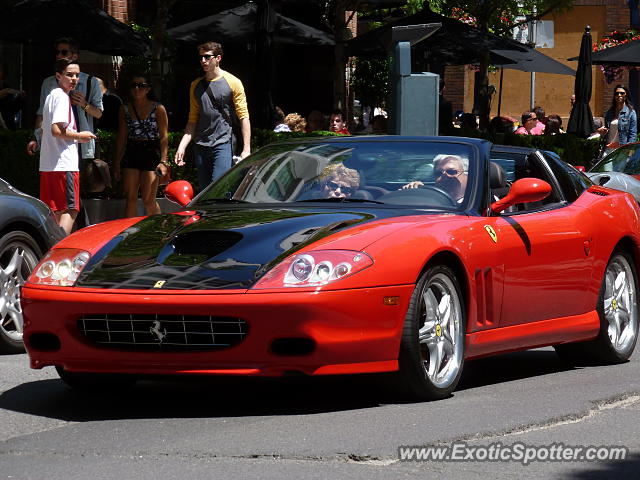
x: 19, y: 254
x: 618, y: 311
x: 432, y: 346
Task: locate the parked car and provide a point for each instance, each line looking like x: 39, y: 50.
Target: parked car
x: 27, y: 231
x: 620, y: 169
x: 315, y: 257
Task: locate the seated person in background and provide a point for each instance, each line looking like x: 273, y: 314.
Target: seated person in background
x: 501, y: 125
x: 541, y: 124
x: 337, y: 123
x: 315, y: 121
x: 295, y: 122
x: 281, y: 125
x: 554, y: 125
x: 379, y: 125
x: 450, y: 174
x: 529, y: 121
x: 598, y: 122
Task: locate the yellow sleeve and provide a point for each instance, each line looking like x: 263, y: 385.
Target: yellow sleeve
x: 194, y: 106
x: 239, y: 97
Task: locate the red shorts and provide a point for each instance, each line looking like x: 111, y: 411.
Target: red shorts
x: 60, y: 190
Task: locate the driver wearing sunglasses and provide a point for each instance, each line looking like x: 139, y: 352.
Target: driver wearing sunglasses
x: 450, y: 174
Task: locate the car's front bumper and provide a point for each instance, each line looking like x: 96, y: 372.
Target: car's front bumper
x: 353, y: 331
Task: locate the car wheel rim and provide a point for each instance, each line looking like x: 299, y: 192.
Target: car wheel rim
x: 620, y: 307
x: 440, y: 333
x: 14, y: 266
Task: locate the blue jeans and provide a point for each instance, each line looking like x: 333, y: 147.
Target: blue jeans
x: 212, y: 162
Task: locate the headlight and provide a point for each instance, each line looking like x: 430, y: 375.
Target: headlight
x: 60, y: 266
x: 315, y: 268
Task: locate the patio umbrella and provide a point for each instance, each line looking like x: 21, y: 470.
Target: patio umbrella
x: 238, y: 25
x: 530, y: 61
x: 581, y: 119
x: 625, y: 54
x: 42, y: 21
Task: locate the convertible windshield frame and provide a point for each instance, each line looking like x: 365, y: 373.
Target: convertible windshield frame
x: 393, y: 172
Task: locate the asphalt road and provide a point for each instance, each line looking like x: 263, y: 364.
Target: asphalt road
x: 325, y: 428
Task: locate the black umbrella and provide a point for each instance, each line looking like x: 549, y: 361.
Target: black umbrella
x: 43, y: 21
x: 529, y: 61
x: 625, y: 54
x: 455, y: 43
x: 581, y: 119
x: 238, y: 25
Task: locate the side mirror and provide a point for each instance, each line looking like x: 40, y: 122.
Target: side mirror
x: 180, y: 192
x: 525, y: 190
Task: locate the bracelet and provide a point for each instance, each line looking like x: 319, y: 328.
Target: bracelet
x: 86, y: 107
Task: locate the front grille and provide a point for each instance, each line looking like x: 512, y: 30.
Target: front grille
x: 163, y: 332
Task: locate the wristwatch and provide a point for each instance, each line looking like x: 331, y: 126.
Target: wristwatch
x: 86, y: 107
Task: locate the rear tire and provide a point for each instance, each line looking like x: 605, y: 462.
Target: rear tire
x: 432, y: 346
x: 618, y: 311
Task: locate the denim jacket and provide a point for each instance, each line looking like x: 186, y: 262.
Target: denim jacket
x: 627, y: 124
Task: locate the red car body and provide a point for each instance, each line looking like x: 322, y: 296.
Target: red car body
x: 527, y: 279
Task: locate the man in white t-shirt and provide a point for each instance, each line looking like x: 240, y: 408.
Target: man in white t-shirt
x: 59, y: 176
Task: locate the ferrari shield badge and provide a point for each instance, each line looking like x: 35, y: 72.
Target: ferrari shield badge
x: 160, y: 283
x: 491, y: 232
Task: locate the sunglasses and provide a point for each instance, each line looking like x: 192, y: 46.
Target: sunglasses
x: 139, y: 85
x: 207, y: 57
x: 622, y: 94
x: 449, y: 172
x: 64, y: 53
x: 343, y: 188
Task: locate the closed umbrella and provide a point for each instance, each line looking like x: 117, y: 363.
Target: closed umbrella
x: 42, y: 21
x: 581, y: 119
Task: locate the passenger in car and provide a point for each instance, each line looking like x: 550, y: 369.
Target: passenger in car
x: 339, y: 181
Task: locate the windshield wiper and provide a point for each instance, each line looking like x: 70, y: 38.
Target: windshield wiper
x: 341, y: 200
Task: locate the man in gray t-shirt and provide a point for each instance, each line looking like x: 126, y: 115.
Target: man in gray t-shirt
x: 214, y: 100
x: 86, y: 107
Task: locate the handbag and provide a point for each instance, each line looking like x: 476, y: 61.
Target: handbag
x: 150, y: 149
x: 96, y: 175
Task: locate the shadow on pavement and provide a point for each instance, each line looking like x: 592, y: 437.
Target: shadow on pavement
x: 607, y: 469
x: 194, y: 397
x: 190, y: 397
x: 511, y: 367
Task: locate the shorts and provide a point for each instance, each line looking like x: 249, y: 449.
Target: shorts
x: 60, y: 190
x: 143, y: 155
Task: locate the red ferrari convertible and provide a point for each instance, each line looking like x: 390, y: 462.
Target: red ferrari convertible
x: 347, y: 255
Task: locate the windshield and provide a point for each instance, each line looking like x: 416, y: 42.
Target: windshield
x: 424, y: 174
x: 624, y: 159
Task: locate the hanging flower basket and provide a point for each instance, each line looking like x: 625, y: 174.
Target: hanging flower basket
x: 613, y: 39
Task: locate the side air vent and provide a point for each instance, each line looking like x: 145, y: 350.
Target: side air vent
x: 596, y: 190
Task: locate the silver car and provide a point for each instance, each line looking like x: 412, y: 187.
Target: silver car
x: 27, y: 231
